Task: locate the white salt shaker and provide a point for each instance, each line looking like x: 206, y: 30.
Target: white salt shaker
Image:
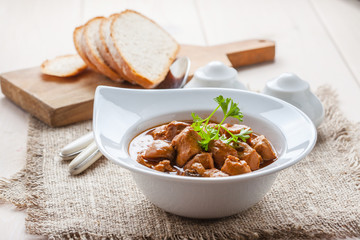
x: 292, y: 89
x: 215, y: 75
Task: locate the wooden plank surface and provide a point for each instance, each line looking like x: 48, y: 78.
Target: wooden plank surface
x: 341, y: 20
x: 36, y: 30
x: 31, y: 29
x: 303, y: 45
x: 179, y: 18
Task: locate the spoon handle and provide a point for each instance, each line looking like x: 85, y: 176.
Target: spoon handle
x: 74, y: 148
x: 87, y: 157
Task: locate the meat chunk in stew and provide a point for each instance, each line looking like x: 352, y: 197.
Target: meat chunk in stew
x: 164, y: 166
x: 196, y: 170
x: 205, y: 159
x: 186, y: 145
x: 252, y: 158
x: 140, y: 159
x: 214, y: 172
x: 220, y: 151
x: 234, y: 166
x: 159, y: 149
x: 263, y: 147
x: 169, y: 131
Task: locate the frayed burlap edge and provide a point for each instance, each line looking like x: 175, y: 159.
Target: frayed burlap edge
x: 344, y: 135
x: 34, y: 179
x: 24, y: 189
x: 282, y: 232
x: 13, y: 190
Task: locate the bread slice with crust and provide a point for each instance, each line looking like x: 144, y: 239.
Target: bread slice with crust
x: 141, y: 48
x: 104, y: 33
x: 64, y: 66
x: 110, y: 45
x: 89, y: 42
x: 77, y: 38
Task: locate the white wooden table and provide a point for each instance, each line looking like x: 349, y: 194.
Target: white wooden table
x: 319, y: 40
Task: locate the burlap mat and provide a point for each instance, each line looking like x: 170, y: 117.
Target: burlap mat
x: 317, y: 198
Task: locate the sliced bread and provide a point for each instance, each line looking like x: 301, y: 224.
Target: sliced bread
x: 105, y: 29
x: 104, y: 32
x: 141, y: 48
x: 64, y: 66
x: 90, y: 39
x: 77, y: 38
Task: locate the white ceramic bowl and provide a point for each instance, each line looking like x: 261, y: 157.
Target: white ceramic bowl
x: 121, y: 114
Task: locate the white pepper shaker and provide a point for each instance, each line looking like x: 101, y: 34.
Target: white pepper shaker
x: 296, y: 91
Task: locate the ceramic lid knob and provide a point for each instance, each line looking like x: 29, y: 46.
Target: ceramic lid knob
x: 216, y: 71
x: 287, y: 83
x: 216, y: 74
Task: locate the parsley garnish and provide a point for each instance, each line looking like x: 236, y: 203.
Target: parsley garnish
x: 209, y: 133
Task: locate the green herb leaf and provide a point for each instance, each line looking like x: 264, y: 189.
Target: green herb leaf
x: 208, y: 133
x: 235, y: 111
x: 244, y: 134
x: 196, y: 118
x: 223, y: 103
x: 197, y: 122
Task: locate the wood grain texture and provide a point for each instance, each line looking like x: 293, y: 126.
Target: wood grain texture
x: 55, y: 101
x: 235, y: 54
x: 62, y: 101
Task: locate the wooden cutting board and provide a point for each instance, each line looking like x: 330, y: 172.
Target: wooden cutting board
x: 61, y: 101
